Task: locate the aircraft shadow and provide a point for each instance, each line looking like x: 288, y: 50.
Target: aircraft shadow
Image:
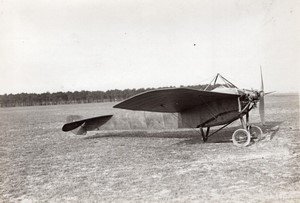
x: 191, y: 136
x: 190, y: 133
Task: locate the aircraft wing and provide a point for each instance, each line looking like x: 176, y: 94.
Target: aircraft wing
x: 171, y: 100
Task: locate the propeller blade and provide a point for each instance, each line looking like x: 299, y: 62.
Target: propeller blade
x: 262, y: 109
x: 262, y: 99
x: 261, y: 81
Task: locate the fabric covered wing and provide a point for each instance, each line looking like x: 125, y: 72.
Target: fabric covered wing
x: 171, y: 100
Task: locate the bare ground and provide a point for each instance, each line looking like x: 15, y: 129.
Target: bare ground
x: 39, y: 163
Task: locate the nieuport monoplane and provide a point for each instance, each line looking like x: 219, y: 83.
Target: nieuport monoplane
x: 195, y: 108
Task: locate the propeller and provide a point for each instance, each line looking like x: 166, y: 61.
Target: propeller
x: 262, y: 100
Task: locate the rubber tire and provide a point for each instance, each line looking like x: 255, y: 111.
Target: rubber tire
x: 255, y: 132
x: 245, y: 134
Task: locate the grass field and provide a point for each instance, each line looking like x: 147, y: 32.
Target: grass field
x: 40, y: 163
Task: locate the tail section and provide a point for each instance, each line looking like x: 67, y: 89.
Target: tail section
x: 80, y: 126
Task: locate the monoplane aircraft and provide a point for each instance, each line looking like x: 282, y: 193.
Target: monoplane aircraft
x: 195, y: 108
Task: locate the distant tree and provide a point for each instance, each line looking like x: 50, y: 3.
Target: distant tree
x: 47, y: 98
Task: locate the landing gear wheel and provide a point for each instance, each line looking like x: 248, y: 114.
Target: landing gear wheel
x: 241, y: 138
x: 255, y: 132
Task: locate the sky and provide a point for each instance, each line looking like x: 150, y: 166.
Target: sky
x: 54, y: 45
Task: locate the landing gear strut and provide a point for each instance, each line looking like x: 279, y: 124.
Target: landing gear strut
x: 204, y: 135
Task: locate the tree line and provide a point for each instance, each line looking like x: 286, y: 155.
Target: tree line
x: 77, y: 97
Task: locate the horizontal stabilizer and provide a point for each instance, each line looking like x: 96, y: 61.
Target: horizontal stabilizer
x: 85, y: 125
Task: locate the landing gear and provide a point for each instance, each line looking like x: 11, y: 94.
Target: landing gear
x: 255, y: 132
x: 241, y: 138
